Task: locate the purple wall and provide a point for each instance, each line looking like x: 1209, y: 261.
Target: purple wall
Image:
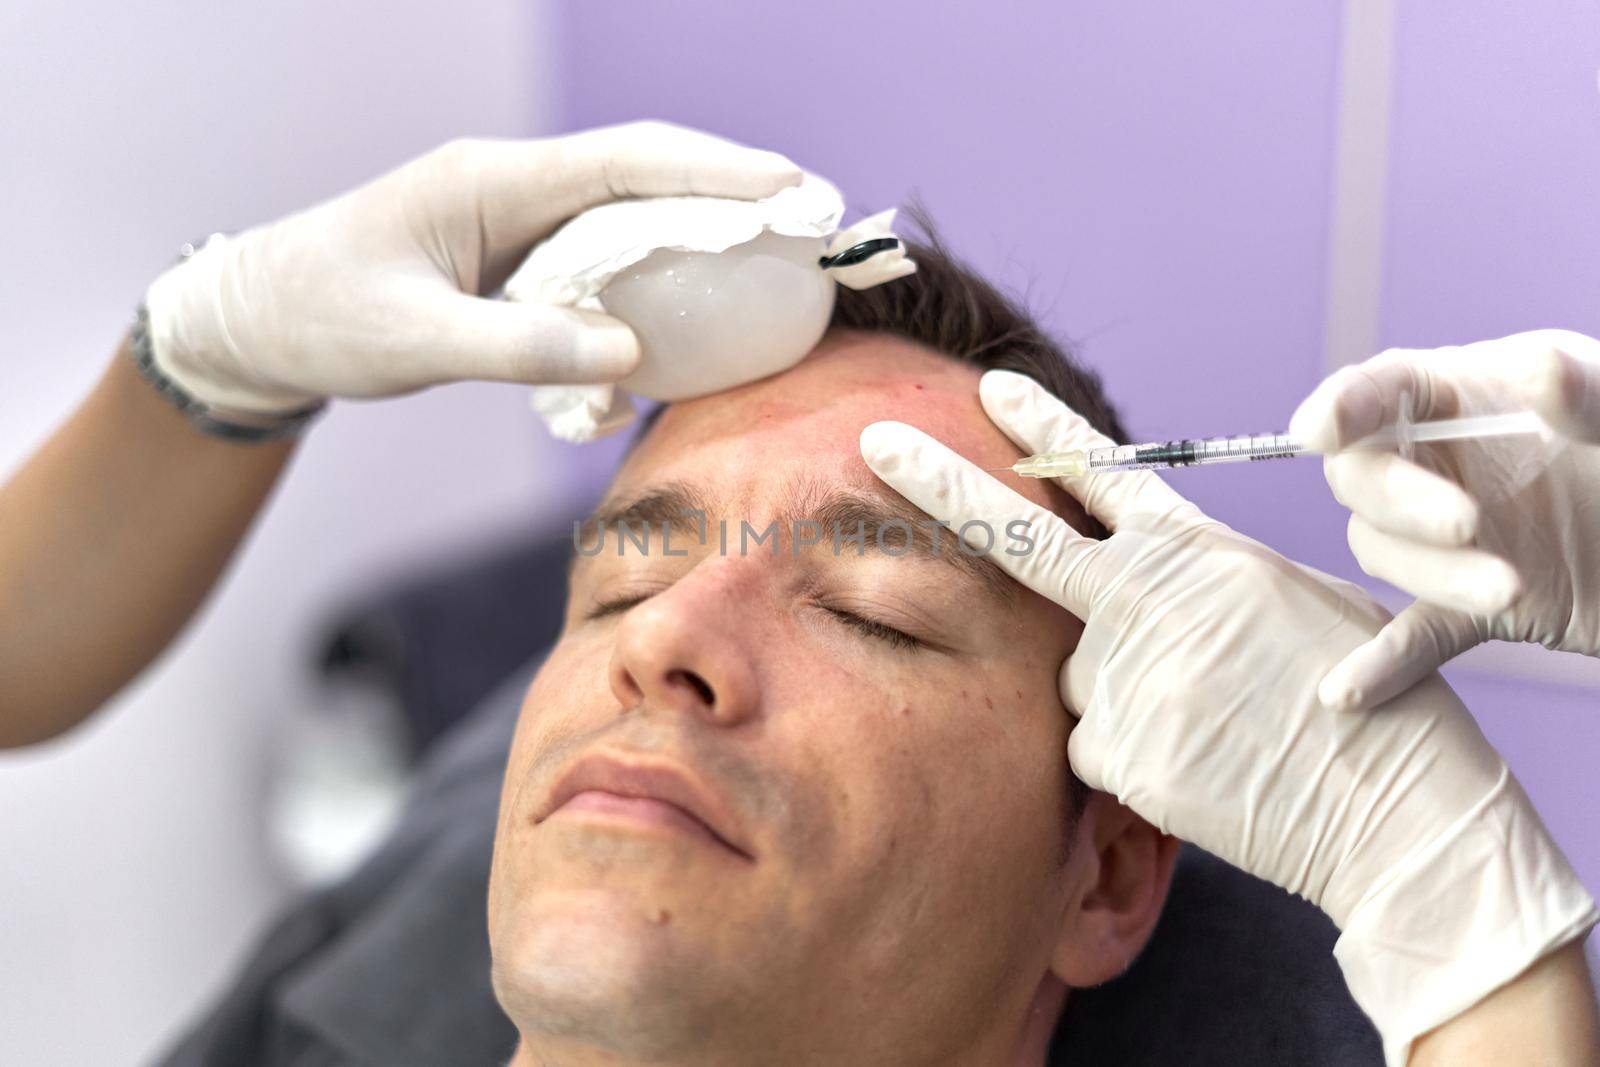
x: 1494, y: 205
x: 1159, y: 187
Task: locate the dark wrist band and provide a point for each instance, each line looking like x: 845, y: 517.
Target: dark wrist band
x: 233, y: 425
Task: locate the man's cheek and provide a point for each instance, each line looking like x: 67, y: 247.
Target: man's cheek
x: 572, y: 680
x: 995, y: 741
x: 576, y: 671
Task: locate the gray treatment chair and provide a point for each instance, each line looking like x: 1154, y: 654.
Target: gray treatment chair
x: 391, y: 966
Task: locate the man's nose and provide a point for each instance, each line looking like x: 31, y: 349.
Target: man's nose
x: 688, y: 649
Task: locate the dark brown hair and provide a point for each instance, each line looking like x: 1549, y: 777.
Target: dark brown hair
x: 950, y: 308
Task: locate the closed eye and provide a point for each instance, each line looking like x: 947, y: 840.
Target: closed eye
x: 876, y: 629
x: 870, y: 627
x: 615, y: 606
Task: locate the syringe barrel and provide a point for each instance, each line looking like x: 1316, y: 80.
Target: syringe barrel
x: 1194, y: 451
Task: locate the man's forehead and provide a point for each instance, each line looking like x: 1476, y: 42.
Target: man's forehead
x: 753, y: 444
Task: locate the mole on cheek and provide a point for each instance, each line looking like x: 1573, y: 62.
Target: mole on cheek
x: 988, y: 702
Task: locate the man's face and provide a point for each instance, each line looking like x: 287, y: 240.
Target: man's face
x: 880, y: 736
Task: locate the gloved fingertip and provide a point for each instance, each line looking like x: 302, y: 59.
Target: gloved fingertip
x: 1085, y: 757
x: 1305, y: 426
x: 1339, y: 412
x: 1312, y: 423
x: 1004, y: 387
x: 1337, y: 693
x: 605, y: 350
x: 1538, y: 380
x: 1583, y: 395
x: 883, y: 445
x: 1498, y: 587
x: 1032, y: 417
x: 1462, y: 519
x: 1450, y: 512
x: 1004, y: 396
x: 1064, y: 686
x: 741, y: 172
x: 1564, y: 390
x: 775, y: 170
x: 746, y: 174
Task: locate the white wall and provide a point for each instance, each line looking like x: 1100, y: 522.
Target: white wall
x: 132, y: 863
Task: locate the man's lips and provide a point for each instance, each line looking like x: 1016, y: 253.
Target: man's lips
x: 650, y: 792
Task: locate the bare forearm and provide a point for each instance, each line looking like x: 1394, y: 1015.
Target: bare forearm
x: 110, y: 537
x: 1547, y: 1016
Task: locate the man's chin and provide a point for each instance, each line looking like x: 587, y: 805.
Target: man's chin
x: 600, y: 967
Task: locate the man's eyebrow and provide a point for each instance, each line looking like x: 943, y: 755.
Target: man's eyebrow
x: 895, y: 526
x: 677, y: 506
x: 884, y: 523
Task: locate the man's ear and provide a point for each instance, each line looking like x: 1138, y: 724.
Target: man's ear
x: 1124, y: 868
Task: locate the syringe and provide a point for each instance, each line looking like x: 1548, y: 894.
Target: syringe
x: 1200, y: 451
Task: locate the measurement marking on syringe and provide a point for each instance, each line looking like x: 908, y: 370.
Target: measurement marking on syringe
x: 1201, y: 451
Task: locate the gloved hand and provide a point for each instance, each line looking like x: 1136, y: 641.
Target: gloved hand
x: 1496, y: 543
x: 379, y: 292
x: 1195, y: 683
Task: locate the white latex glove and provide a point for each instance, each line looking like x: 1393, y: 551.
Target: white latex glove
x: 1500, y: 537
x: 379, y: 292
x: 1195, y: 681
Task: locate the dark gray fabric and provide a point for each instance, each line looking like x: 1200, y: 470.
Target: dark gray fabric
x: 1237, y: 973
x: 439, y: 641
x: 392, y: 967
